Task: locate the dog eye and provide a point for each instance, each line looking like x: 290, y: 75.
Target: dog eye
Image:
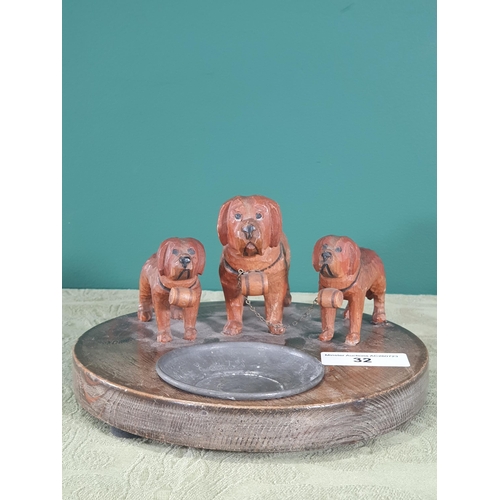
x: 237, y: 216
x: 338, y: 249
x: 191, y: 251
x: 258, y: 215
x: 175, y: 251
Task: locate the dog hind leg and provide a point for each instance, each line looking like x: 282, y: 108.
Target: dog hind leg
x: 377, y: 291
x: 288, y: 296
x: 145, y: 311
x: 379, y: 315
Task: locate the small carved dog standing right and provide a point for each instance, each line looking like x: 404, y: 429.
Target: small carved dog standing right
x: 169, y: 283
x: 352, y: 273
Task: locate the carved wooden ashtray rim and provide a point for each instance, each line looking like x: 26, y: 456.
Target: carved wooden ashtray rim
x: 116, y: 381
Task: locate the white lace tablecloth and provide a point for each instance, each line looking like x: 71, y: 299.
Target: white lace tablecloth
x: 97, y: 465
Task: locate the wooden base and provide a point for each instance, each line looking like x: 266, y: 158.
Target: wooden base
x: 115, y: 380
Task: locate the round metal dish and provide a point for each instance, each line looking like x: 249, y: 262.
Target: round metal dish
x: 240, y: 370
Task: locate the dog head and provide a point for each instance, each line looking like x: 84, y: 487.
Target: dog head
x: 250, y: 224
x: 180, y: 258
x: 336, y: 256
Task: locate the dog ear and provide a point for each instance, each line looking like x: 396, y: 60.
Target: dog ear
x: 163, y: 255
x: 317, y: 253
x: 276, y: 223
x: 200, y: 256
x: 222, y: 222
x: 353, y: 255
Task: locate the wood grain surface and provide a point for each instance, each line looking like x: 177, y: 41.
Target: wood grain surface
x: 115, y: 380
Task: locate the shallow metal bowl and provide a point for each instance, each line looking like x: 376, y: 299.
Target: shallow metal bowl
x: 240, y: 370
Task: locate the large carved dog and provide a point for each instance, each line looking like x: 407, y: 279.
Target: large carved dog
x: 255, y: 259
x: 355, y: 272
x: 169, y: 284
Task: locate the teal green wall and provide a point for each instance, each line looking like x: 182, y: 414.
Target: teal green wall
x: 172, y: 107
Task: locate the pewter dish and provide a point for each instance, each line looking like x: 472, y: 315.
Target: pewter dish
x: 240, y: 370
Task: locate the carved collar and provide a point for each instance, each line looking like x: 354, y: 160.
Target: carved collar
x: 235, y: 271
x: 352, y: 284
x: 175, y: 284
x: 333, y: 281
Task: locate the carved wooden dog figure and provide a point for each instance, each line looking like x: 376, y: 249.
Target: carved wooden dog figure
x: 255, y: 259
x: 355, y: 272
x: 169, y: 284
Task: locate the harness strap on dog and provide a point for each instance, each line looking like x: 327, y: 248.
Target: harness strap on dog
x: 235, y: 271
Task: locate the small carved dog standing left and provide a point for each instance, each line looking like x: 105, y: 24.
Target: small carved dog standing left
x: 169, y: 284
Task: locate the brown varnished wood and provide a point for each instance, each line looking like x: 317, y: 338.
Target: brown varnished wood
x: 175, y: 266
x: 356, y: 273
x: 115, y: 380
x: 250, y: 229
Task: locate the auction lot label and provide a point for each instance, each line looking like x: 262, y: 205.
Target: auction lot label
x: 364, y: 359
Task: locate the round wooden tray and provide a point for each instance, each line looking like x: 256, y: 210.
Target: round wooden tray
x: 115, y: 380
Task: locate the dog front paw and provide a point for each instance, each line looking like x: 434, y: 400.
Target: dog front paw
x: 190, y: 334
x: 353, y: 338
x: 163, y: 337
x: 277, y: 329
x: 232, y: 327
x: 326, y: 335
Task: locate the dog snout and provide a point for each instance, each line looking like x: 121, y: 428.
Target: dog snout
x: 326, y: 256
x: 185, y: 260
x: 248, y: 230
